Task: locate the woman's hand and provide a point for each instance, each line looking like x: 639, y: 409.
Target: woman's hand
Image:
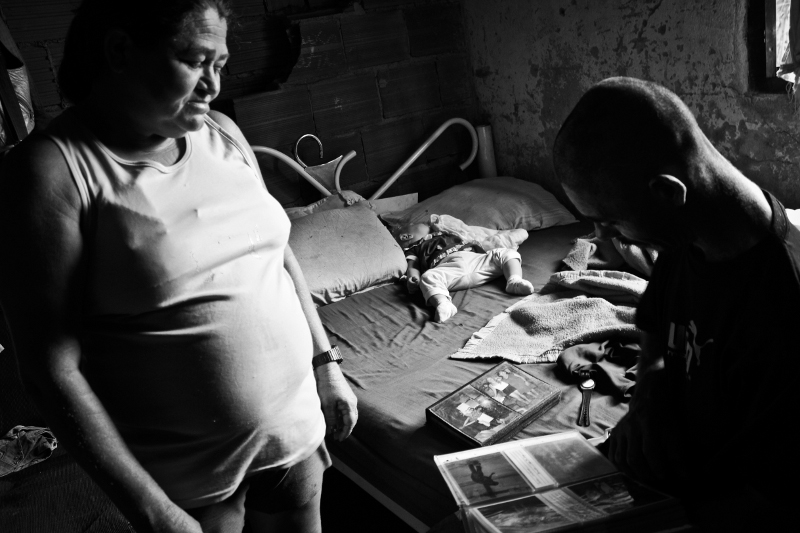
x: 339, y: 404
x: 174, y: 520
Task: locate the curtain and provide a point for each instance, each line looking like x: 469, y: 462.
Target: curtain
x: 787, y: 39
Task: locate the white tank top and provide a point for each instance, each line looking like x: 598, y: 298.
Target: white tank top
x: 193, y: 335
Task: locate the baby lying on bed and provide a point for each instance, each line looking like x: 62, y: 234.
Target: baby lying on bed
x: 447, y: 263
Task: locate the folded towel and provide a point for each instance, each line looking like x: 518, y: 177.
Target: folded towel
x: 619, y: 288
x: 537, y: 328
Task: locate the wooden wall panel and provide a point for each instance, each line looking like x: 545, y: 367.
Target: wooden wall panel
x: 409, y: 89
x: 375, y: 76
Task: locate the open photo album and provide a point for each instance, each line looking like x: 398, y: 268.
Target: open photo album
x: 551, y: 483
x: 494, y: 406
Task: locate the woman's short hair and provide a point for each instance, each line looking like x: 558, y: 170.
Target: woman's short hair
x: 145, y: 21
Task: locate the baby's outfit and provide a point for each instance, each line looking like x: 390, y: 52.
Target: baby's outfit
x: 449, y: 264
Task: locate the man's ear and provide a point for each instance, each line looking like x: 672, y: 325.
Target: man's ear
x: 117, y: 46
x: 668, y: 189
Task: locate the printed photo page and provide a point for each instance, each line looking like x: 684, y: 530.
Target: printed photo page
x: 520, y: 467
x: 548, y: 483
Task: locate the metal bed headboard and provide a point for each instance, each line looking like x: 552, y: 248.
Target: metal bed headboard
x: 388, y: 183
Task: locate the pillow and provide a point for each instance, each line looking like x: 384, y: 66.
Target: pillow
x: 794, y: 217
x: 344, y: 251
x: 334, y: 201
x: 494, y: 203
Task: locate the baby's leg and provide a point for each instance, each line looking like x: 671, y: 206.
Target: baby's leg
x: 433, y: 285
x: 444, y: 307
x: 512, y: 270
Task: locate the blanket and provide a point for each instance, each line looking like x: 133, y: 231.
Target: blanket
x: 573, y: 308
x: 488, y: 239
x: 589, y: 252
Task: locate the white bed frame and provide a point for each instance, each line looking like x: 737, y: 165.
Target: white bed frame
x: 351, y: 154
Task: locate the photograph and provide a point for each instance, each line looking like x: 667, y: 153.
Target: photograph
x: 474, y: 414
x: 513, y: 388
x: 570, y: 460
x: 616, y: 493
x: 486, y: 478
x: 526, y: 515
x: 609, y: 494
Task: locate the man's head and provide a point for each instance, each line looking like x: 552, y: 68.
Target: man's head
x: 627, y: 155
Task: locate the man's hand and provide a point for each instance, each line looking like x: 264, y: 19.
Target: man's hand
x: 339, y: 404
x: 644, y: 443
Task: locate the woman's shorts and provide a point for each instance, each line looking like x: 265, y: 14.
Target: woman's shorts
x: 268, y: 491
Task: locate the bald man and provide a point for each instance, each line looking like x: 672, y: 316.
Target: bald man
x: 715, y: 399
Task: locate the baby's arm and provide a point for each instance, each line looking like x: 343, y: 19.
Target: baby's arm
x: 412, y: 274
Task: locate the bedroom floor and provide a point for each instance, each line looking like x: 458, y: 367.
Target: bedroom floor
x: 346, y: 507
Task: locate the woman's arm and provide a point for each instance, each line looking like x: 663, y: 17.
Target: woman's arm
x: 338, y: 400
x: 41, y: 283
x: 339, y: 404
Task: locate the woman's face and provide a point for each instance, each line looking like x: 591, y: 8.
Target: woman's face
x: 173, y: 84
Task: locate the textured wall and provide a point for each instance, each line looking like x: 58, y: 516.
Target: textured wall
x: 532, y: 60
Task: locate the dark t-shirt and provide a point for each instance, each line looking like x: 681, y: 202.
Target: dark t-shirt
x: 436, y: 246
x: 729, y: 330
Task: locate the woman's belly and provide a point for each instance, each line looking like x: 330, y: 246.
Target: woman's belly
x: 211, y: 369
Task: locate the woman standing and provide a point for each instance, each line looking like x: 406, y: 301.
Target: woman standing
x: 161, y: 322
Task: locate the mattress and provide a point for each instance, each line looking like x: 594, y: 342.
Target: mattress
x: 397, y: 362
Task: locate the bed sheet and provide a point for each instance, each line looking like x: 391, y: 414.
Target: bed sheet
x: 396, y: 360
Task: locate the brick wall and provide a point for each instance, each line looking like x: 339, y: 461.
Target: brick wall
x: 376, y: 76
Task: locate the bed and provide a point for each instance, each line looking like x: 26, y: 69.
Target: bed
x: 397, y: 359
x: 397, y: 362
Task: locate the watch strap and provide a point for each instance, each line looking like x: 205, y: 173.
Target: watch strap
x: 586, y: 399
x: 328, y: 356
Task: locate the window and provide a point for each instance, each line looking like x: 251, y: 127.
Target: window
x: 768, y: 44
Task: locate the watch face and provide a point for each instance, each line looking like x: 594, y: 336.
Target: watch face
x: 588, y: 384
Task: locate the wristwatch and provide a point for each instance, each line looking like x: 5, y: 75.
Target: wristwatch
x: 586, y: 387
x: 327, y: 357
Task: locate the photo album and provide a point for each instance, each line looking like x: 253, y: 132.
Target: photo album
x: 494, y: 406
x: 551, y: 483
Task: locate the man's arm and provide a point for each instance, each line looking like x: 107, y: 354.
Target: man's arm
x: 338, y: 401
x: 642, y: 443
x: 651, y: 358
x: 41, y: 283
